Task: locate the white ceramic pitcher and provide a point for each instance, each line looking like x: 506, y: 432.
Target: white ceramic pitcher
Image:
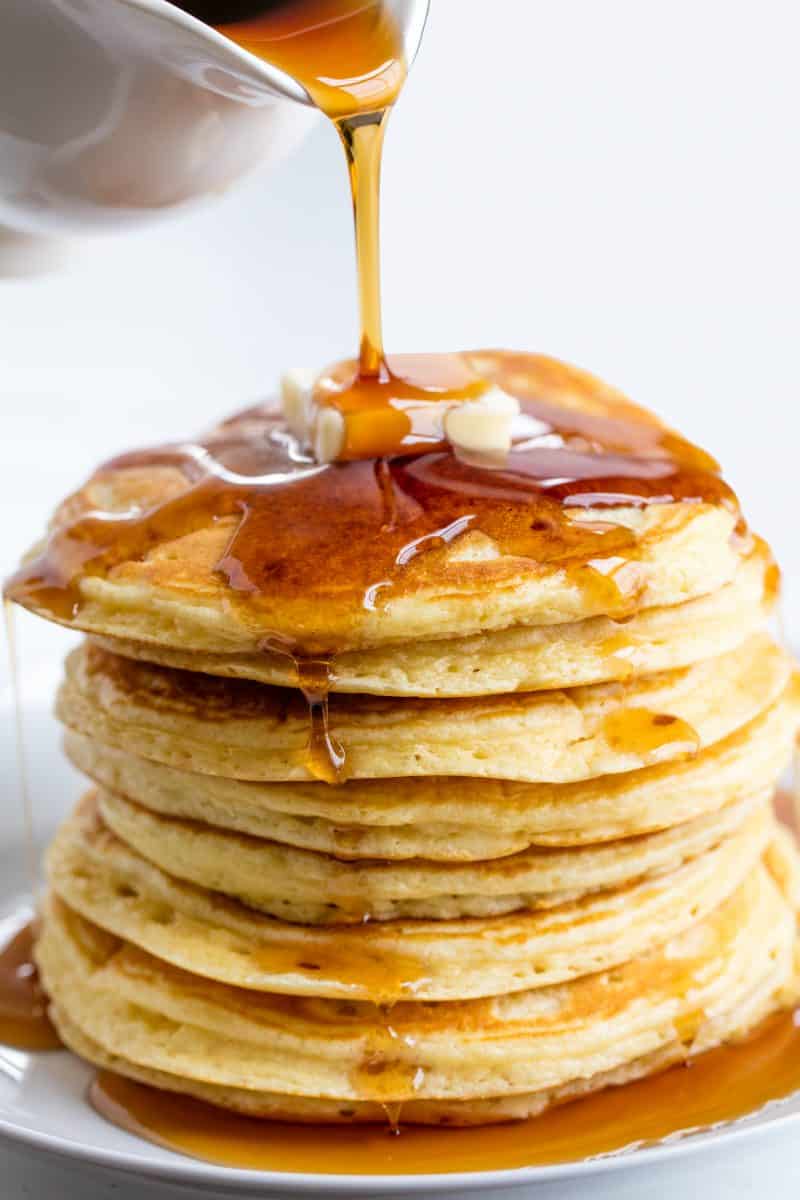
x: 115, y: 111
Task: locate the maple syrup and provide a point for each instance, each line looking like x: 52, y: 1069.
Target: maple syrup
x: 398, y: 493
x: 301, y: 530
x: 23, y: 1006
x: 24, y: 1023
x: 326, y: 754
x: 717, y: 1086
x: 388, y: 1068
x: 349, y: 56
x: 640, y: 731
x: 346, y: 961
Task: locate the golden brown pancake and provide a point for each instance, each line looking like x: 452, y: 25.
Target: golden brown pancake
x: 208, y: 934
x: 459, y: 820
x: 214, y: 546
x: 463, y: 1062
x: 314, y: 889
x: 243, y: 730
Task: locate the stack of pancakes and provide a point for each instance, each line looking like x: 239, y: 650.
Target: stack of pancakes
x: 552, y: 863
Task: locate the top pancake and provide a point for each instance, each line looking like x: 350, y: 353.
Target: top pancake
x: 217, y: 546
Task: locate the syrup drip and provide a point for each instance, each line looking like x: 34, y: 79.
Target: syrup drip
x: 718, y: 1086
x: 362, y: 138
x: 383, y: 479
x: 620, y: 649
x: 23, y: 1005
x: 388, y: 1069
x: 349, y: 56
x: 326, y: 754
x: 650, y: 734
x: 314, y: 678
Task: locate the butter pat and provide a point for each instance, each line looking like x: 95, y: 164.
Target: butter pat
x: 483, y: 425
x: 319, y: 426
x: 479, y: 426
x: 328, y: 433
x: 297, y: 385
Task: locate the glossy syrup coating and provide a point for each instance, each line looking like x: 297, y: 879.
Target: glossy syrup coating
x: 363, y: 526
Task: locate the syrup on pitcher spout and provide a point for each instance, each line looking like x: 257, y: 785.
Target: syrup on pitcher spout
x: 114, y: 112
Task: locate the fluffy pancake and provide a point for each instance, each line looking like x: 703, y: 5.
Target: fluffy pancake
x: 522, y: 658
x: 458, y: 820
x: 173, y: 598
x: 244, y: 730
x: 211, y: 546
x: 208, y: 934
x: 479, y: 1060
x: 311, y: 888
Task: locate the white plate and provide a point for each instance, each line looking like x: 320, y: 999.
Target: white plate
x: 42, y: 1097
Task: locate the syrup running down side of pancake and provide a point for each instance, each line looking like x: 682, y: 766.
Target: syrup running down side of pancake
x: 24, y: 1023
x: 302, y: 528
x: 717, y: 1087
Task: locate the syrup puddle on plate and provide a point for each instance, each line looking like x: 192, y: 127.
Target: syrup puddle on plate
x: 24, y: 1024
x: 717, y: 1087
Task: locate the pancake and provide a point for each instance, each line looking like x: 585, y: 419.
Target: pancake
x: 212, y: 546
x: 312, y: 1110
x: 544, y: 690
x: 459, y: 820
x: 203, y: 932
x: 522, y: 658
x: 244, y: 730
x: 309, y: 888
x: 460, y: 1062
